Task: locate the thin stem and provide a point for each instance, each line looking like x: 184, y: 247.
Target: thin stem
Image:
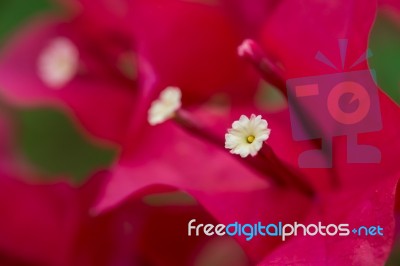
x: 269, y: 71
x: 266, y: 162
x: 286, y: 172
x: 188, y: 123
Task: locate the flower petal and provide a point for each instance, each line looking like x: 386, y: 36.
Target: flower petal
x: 102, y: 104
x: 198, y: 51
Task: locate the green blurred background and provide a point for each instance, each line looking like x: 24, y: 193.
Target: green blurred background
x: 47, y: 138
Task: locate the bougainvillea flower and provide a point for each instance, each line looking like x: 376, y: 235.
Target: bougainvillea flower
x: 203, y: 61
x: 379, y: 179
x: 88, y: 92
x: 167, y: 155
x: 53, y: 224
x: 334, y: 186
x: 247, y: 135
x: 212, y: 71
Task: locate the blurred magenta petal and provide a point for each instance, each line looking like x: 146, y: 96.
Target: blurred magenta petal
x: 171, y: 161
x: 269, y: 205
x: 37, y: 222
x: 250, y: 15
x: 371, y: 208
x: 296, y: 31
x: 155, y: 159
x: 133, y: 234
x: 193, y: 46
x: 391, y: 4
x: 391, y: 9
x: 94, y: 13
x: 41, y: 222
x: 198, y: 50
x: 386, y: 140
x: 101, y: 103
x: 350, y: 202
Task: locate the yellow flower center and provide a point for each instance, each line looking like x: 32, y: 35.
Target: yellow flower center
x: 250, y: 139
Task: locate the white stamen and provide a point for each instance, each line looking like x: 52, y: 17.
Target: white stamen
x: 165, y: 106
x: 247, y: 135
x: 58, y: 63
x: 245, y: 48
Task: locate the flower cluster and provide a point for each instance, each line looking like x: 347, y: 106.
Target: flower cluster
x: 166, y: 81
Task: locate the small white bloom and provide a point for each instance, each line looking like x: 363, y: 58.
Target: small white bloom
x: 247, y: 135
x: 58, y: 63
x: 165, y: 106
x: 245, y: 48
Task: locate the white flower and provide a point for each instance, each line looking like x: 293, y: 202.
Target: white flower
x: 247, y: 135
x: 245, y: 48
x: 165, y: 106
x: 58, y: 63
